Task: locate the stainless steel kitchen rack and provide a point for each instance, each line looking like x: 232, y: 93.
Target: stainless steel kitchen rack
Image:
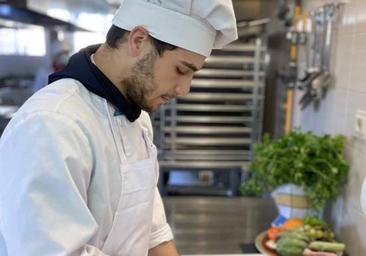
x: 217, y: 123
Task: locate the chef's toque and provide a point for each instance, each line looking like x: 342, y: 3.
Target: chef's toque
x: 195, y: 25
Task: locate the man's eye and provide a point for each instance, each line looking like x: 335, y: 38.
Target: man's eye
x: 180, y: 72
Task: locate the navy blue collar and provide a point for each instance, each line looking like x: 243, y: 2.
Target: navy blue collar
x: 82, y: 69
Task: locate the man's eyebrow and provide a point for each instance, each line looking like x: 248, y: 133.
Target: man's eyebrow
x: 190, y: 65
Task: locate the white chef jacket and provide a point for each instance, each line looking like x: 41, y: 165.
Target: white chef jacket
x: 63, y: 187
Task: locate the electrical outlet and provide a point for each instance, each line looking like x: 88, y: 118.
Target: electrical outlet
x: 360, y: 124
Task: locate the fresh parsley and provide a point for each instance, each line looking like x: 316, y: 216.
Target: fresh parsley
x: 316, y: 163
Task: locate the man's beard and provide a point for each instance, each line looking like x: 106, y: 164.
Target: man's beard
x: 140, y: 84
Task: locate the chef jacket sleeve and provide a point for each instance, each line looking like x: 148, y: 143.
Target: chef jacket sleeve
x: 46, y: 164
x: 161, y: 231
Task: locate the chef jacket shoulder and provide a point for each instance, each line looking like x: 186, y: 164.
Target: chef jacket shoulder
x: 66, y: 96
x: 68, y: 99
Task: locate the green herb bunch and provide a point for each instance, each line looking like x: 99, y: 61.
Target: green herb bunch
x: 315, y: 163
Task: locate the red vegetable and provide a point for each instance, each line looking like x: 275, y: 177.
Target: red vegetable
x: 273, y: 233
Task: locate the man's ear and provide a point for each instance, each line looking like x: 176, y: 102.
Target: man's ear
x: 138, y: 40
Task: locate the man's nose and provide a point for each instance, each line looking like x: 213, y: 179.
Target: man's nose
x: 183, y: 87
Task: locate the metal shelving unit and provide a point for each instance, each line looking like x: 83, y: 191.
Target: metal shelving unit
x: 217, y: 123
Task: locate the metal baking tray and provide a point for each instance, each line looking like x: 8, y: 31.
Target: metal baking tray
x: 207, y: 141
x: 213, y: 107
x: 229, y: 60
x: 212, y: 119
x: 208, y: 130
x: 230, y: 73
x: 222, y: 83
x: 196, y: 96
x: 204, y: 164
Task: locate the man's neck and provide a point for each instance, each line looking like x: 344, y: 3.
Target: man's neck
x: 107, y: 63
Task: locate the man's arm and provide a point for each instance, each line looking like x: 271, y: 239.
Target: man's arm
x: 164, y: 249
x: 45, y: 164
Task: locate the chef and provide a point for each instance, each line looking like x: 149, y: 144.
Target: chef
x: 78, y: 165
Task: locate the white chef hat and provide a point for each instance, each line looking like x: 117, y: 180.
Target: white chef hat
x: 195, y: 25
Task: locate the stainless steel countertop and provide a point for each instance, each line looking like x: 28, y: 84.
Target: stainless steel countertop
x: 218, y: 225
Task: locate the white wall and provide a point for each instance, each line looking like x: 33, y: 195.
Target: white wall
x: 336, y: 114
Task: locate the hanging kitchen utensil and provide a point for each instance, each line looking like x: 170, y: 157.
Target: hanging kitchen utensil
x: 323, y: 81
x: 309, y: 34
x: 314, y: 73
x: 317, y: 81
x: 309, y: 93
x: 310, y: 70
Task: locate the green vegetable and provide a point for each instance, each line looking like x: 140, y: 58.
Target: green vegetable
x: 315, y: 163
x: 312, y: 233
x: 296, y: 234
x: 290, y: 246
x: 318, y: 233
x: 289, y: 251
x: 327, y: 246
x: 314, y: 222
x: 292, y: 243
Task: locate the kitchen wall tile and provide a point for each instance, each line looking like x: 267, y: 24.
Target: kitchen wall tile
x: 348, y: 223
x: 352, y: 231
x: 357, y: 77
x: 341, y: 60
x: 338, y: 213
x: 312, y: 118
x: 321, y: 115
x: 330, y: 115
x: 360, y: 16
x: 355, y: 100
x: 347, y: 18
x: 335, y: 122
x: 356, y: 158
x: 337, y: 115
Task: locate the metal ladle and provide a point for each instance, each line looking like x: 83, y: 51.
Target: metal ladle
x: 324, y: 79
x: 317, y: 80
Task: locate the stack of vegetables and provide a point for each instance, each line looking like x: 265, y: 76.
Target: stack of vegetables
x: 309, y: 236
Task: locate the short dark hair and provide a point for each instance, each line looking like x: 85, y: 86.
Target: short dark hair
x: 116, y: 36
